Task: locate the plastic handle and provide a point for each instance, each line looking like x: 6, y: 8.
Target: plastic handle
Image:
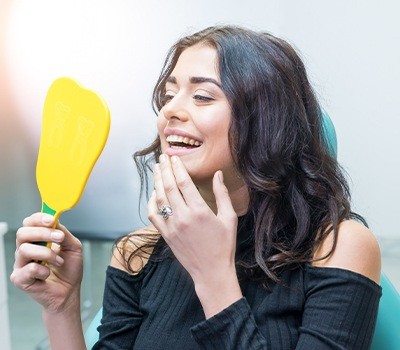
x: 47, y: 210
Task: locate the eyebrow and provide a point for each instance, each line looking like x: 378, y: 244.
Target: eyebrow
x: 196, y: 80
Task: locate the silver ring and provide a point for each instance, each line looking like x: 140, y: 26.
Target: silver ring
x: 165, y: 211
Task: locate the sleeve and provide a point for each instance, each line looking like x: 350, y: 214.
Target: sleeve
x: 340, y: 310
x: 121, y: 313
x: 233, y: 328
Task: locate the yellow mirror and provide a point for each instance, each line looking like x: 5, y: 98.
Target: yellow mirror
x: 75, y: 127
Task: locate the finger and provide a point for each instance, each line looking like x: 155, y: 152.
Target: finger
x: 153, y: 214
x: 56, y: 248
x: 24, y: 277
x: 171, y: 188
x: 160, y: 197
x: 39, y: 219
x: 28, y: 252
x: 222, y: 198
x: 38, y: 234
x: 59, y: 234
x: 187, y: 188
x: 70, y: 242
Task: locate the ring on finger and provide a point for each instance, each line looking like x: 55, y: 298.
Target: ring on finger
x: 165, y: 211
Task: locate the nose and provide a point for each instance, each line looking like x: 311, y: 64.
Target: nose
x: 176, y: 109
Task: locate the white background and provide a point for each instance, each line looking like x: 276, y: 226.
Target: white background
x: 351, y: 50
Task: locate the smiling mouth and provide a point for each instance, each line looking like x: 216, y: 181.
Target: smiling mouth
x: 176, y: 141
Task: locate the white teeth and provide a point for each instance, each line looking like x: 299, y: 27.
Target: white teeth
x: 181, y: 139
x: 175, y: 138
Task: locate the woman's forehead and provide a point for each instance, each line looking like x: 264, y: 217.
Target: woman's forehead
x: 196, y: 61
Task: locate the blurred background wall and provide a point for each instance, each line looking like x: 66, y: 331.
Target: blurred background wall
x: 351, y: 50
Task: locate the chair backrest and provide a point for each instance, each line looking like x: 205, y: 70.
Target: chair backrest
x: 91, y: 334
x: 329, y: 132
x: 387, y: 330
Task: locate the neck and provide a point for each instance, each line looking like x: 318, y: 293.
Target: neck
x: 238, y: 193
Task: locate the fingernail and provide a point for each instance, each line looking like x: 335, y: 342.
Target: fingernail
x: 59, y: 260
x: 221, y: 176
x: 47, y: 219
x: 174, y: 159
x: 56, y: 235
x: 162, y: 158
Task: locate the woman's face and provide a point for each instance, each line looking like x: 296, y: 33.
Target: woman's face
x: 194, y: 122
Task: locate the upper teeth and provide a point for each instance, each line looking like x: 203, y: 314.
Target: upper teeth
x: 186, y: 140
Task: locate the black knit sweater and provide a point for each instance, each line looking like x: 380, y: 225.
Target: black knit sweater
x: 314, y: 308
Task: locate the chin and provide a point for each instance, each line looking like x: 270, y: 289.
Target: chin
x: 200, y: 177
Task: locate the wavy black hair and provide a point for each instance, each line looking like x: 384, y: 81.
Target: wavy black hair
x: 298, y: 193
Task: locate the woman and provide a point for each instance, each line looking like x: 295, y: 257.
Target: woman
x: 251, y: 244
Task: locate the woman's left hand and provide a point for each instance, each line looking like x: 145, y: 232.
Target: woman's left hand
x: 202, y: 241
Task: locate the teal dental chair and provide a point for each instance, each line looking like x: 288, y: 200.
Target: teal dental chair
x: 387, y: 330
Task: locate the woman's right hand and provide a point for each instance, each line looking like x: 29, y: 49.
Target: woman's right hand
x: 55, y: 285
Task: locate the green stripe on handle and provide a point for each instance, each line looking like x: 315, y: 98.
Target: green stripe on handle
x: 47, y: 210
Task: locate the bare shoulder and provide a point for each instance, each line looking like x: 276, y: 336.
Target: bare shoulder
x: 357, y: 250
x: 131, y: 252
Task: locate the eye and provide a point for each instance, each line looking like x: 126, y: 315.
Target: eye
x: 202, y: 98
x: 166, y: 98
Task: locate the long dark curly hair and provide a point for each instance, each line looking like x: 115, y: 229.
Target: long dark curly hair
x: 298, y: 193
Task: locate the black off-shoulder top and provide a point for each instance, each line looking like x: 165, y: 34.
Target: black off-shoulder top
x: 314, y: 308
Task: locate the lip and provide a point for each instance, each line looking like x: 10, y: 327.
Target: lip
x: 170, y: 151
x: 180, y: 151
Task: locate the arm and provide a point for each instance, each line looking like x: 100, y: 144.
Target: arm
x: 204, y: 242
x: 65, y: 328
x: 340, y: 312
x: 341, y: 301
x: 234, y: 328
x: 356, y: 250
x: 56, y: 285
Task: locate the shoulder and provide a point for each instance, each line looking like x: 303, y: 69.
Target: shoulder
x: 356, y: 250
x: 132, y: 251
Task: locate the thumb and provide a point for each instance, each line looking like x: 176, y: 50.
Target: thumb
x: 221, y: 193
x: 70, y: 242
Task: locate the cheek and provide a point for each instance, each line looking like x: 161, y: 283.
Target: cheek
x: 218, y: 142
x: 219, y: 133
x: 215, y: 122
x: 161, y: 122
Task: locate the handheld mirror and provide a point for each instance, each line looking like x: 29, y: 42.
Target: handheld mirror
x: 75, y: 126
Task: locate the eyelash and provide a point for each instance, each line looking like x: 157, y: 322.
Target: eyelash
x: 201, y: 98
x: 166, y: 99
x: 198, y: 98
